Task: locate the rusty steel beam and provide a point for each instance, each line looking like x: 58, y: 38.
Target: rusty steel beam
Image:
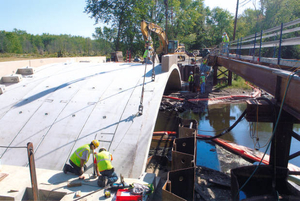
x: 273, y: 81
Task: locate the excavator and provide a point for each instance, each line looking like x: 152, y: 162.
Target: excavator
x: 165, y: 46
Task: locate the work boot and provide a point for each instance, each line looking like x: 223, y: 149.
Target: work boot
x: 102, y: 181
x: 65, y: 169
x: 105, y: 181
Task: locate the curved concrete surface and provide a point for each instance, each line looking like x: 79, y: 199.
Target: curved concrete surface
x: 62, y: 107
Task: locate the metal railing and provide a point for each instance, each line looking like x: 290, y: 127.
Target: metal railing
x: 277, y: 37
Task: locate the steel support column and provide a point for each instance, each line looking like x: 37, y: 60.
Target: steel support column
x: 215, y: 77
x: 280, y: 147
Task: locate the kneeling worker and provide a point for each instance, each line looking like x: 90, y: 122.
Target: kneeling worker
x: 79, y: 158
x: 104, y: 168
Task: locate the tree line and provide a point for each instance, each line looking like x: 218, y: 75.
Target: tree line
x: 47, y: 45
x: 188, y: 21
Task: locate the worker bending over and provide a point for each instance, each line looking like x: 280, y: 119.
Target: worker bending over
x: 104, y: 168
x: 79, y: 158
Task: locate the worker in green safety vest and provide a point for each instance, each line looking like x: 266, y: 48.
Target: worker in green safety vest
x: 202, y: 83
x: 104, y: 168
x: 79, y: 158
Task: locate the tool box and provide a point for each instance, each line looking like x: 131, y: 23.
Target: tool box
x: 124, y: 194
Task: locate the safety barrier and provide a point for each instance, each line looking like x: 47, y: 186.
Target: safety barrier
x: 251, y: 47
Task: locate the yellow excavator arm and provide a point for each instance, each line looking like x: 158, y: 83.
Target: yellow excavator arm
x: 146, y: 27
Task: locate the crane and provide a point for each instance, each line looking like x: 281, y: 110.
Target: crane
x: 165, y: 46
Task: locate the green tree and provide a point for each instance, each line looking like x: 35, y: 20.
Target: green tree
x: 218, y: 21
x: 13, y: 44
x: 115, y: 12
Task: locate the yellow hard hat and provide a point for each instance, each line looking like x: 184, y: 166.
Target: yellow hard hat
x: 95, y: 143
x: 107, y: 194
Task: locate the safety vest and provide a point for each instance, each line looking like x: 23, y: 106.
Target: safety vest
x: 205, y: 61
x: 145, y: 54
x: 75, y: 157
x: 226, y: 39
x: 202, y: 79
x: 104, y: 161
x: 191, y: 78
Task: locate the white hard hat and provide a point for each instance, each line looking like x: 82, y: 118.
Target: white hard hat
x: 149, y: 47
x: 191, y: 72
x: 202, y: 73
x: 224, y: 33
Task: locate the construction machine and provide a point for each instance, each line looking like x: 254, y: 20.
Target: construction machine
x: 165, y: 46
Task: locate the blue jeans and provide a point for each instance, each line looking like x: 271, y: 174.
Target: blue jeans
x: 225, y: 48
x: 203, y: 87
x: 112, y: 176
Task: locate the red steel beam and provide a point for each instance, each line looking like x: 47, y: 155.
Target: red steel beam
x: 273, y: 81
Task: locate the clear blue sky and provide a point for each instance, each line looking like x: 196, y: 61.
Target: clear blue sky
x: 47, y: 16
x: 64, y: 16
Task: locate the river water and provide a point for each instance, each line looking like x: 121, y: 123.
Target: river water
x: 218, y: 117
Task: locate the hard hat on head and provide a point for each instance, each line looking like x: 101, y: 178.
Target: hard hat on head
x: 95, y: 143
x: 102, y: 149
x: 191, y: 72
x: 149, y: 47
x: 202, y: 73
x: 224, y: 33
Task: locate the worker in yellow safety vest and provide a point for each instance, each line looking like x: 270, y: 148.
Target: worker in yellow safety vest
x: 104, y: 168
x: 191, y: 81
x: 79, y: 158
x: 147, y: 55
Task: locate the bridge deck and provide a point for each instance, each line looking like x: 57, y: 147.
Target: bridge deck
x: 62, y: 107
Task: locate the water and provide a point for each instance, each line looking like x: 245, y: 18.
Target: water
x: 220, y: 116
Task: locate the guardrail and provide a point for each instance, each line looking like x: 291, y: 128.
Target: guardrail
x: 254, y: 47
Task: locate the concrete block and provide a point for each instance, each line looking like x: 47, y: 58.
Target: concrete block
x: 2, y: 89
x: 25, y: 71
x: 167, y: 61
x: 14, y: 78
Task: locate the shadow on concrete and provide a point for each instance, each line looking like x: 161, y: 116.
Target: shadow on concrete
x: 53, y: 89
x: 61, y: 179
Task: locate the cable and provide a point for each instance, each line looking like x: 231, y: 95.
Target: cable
x: 9, y: 147
x: 225, y: 131
x: 275, y: 127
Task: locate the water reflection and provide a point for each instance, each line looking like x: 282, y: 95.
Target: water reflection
x: 221, y: 116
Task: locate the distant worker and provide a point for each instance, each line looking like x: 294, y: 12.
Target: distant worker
x: 104, y: 169
x: 203, y: 66
x: 225, y: 40
x: 79, y: 158
x: 147, y: 55
x: 191, y: 81
x: 202, y: 83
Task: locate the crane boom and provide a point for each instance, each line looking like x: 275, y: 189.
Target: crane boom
x: 146, y: 27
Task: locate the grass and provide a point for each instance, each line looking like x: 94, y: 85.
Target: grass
x: 237, y: 82
x: 18, y: 57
